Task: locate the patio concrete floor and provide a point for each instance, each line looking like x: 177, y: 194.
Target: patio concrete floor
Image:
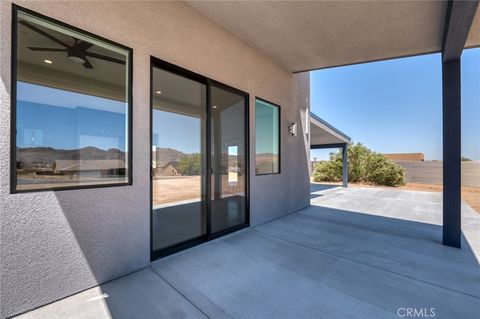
x: 355, y: 253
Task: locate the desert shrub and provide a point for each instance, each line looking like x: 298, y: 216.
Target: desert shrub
x: 190, y: 164
x: 379, y: 170
x: 327, y: 171
x: 331, y: 170
x: 357, y: 157
x: 363, y: 166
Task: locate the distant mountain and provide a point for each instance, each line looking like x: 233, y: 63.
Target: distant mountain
x: 265, y: 163
x: 47, y: 155
x: 261, y: 157
x: 168, y: 155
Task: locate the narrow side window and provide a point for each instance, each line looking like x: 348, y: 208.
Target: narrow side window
x: 267, y: 138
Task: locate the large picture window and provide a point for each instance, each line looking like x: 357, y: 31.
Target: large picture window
x: 267, y: 137
x: 71, y: 98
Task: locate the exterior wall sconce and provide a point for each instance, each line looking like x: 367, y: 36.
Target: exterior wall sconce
x: 292, y: 129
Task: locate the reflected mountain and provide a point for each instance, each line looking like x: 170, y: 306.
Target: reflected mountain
x: 266, y: 163
x: 28, y: 157
x: 89, y: 162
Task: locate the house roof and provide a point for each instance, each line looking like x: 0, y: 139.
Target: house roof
x: 171, y: 164
x: 303, y: 36
x: 88, y: 165
x: 323, y: 133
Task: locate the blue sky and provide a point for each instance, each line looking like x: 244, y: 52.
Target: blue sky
x: 48, y: 117
x: 176, y: 131
x: 266, y: 128
x: 395, y: 106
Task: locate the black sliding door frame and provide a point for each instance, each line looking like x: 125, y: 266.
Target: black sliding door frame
x: 247, y: 157
x: 169, y: 67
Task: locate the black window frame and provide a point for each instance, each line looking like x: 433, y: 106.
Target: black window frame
x: 279, y: 137
x: 13, y: 103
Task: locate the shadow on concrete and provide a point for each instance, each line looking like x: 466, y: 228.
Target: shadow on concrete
x: 406, y: 247
x: 316, y: 187
x: 351, y: 226
x: 305, y: 263
x: 313, y: 196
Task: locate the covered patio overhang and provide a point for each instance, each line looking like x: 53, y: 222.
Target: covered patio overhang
x: 311, y: 35
x: 324, y: 135
x: 306, y: 36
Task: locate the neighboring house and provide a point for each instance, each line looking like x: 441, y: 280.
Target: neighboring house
x: 90, y: 167
x: 41, y: 168
x: 201, y: 78
x: 167, y: 170
x: 417, y: 157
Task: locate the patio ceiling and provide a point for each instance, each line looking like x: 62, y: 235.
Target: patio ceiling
x: 304, y: 36
x: 322, y: 133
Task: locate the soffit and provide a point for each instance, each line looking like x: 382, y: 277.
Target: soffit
x: 323, y: 133
x: 311, y: 35
x: 473, y: 39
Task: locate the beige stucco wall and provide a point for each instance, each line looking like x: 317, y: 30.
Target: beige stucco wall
x: 57, y: 243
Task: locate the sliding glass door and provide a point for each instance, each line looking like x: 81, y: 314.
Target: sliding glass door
x: 178, y: 159
x: 228, y: 191
x: 199, y: 163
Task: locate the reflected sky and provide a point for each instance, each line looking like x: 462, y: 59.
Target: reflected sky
x: 266, y: 127
x: 176, y: 131
x: 48, y: 117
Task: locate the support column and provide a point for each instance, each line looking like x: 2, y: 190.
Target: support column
x: 451, y: 153
x: 345, y: 164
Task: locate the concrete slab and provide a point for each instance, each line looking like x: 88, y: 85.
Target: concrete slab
x: 142, y: 294
x: 407, y: 248
x: 251, y: 276
x: 256, y: 276
x: 355, y: 253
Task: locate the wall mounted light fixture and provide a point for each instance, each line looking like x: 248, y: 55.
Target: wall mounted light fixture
x: 292, y: 129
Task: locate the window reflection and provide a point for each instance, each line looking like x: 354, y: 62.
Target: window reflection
x: 228, y: 156
x: 178, y: 159
x: 267, y: 138
x: 233, y: 167
x: 71, y: 108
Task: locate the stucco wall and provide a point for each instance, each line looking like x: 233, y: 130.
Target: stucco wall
x: 54, y: 244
